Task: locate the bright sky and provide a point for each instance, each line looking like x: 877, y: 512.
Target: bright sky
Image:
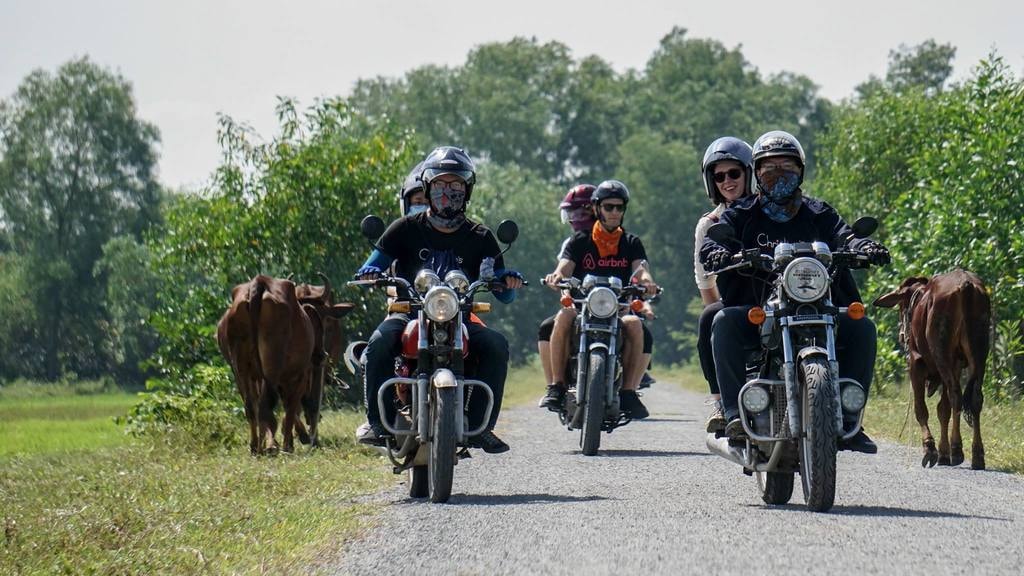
x: 189, y: 59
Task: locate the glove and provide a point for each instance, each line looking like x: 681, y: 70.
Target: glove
x: 876, y: 253
x: 716, y: 260
x: 368, y: 269
x: 513, y: 273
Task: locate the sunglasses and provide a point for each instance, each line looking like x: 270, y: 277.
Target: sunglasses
x: 732, y: 173
x: 613, y: 207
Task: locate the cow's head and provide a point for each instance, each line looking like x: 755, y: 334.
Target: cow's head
x: 321, y: 299
x: 902, y: 295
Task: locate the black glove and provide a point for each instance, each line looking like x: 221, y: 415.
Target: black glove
x: 876, y: 253
x: 717, y: 259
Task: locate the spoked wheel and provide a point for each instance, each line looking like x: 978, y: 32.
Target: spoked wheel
x: 818, y: 447
x: 441, y: 462
x: 593, y: 412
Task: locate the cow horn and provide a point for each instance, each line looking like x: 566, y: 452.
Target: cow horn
x: 327, y: 286
x: 289, y: 278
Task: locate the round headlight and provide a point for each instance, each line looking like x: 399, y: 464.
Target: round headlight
x: 805, y: 280
x: 852, y: 398
x: 441, y: 304
x: 602, y: 302
x: 457, y: 280
x: 425, y: 280
x: 755, y: 399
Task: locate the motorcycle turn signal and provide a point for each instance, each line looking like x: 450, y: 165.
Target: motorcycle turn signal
x: 756, y: 315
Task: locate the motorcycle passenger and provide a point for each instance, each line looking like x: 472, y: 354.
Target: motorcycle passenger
x: 727, y: 171
x: 604, y: 250
x: 412, y: 199
x: 780, y: 212
x: 442, y: 239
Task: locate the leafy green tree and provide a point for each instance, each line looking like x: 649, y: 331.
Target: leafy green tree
x: 76, y: 169
x: 926, y: 66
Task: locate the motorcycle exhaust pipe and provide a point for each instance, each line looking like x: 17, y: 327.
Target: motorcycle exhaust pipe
x: 721, y: 447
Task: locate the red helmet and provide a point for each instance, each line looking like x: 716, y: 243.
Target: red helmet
x: 575, y: 207
x: 577, y: 196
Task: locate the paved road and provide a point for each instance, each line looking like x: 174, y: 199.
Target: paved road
x: 656, y: 502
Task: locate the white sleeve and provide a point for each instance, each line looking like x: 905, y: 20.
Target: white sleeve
x: 698, y: 269
x: 561, y: 249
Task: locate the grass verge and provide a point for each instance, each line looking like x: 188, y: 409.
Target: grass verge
x: 145, y: 506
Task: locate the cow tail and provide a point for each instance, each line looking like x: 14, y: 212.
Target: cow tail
x: 256, y: 290
x: 979, y: 310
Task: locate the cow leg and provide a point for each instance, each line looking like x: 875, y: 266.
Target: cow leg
x: 268, y: 422
x: 292, y: 423
x: 977, y: 448
x: 918, y: 383
x: 944, y: 412
x: 956, y: 399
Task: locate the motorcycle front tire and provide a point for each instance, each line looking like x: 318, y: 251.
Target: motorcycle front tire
x: 593, y: 412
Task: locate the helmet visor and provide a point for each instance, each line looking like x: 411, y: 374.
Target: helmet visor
x: 430, y: 174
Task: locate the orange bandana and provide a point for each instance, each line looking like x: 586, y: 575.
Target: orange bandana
x: 607, y: 242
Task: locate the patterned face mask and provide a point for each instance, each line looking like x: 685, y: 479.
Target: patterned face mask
x: 447, y: 203
x: 780, y: 186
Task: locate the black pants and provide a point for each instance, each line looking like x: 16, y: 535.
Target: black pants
x: 488, y: 352
x: 707, y: 361
x: 732, y: 334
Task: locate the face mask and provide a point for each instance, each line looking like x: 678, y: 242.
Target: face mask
x: 416, y: 209
x: 779, y: 186
x: 447, y: 199
x: 781, y: 212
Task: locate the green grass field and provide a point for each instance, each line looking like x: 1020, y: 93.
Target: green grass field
x: 78, y: 496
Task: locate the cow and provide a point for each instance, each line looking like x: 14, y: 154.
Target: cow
x: 273, y: 338
x: 944, y: 328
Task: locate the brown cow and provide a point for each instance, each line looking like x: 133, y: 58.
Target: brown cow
x: 274, y: 344
x: 944, y: 327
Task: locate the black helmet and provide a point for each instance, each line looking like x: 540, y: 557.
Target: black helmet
x: 779, y: 143
x: 411, y: 185
x: 725, y: 148
x: 449, y: 160
x: 610, y: 189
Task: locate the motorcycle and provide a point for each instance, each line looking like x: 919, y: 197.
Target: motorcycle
x: 793, y: 403
x: 430, y: 390
x: 591, y: 404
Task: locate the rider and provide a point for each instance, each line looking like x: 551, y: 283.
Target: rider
x: 577, y: 212
x: 442, y: 239
x: 412, y: 198
x: 779, y: 212
x: 727, y: 170
x: 604, y: 250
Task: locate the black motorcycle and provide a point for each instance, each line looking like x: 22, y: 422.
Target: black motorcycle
x: 793, y: 402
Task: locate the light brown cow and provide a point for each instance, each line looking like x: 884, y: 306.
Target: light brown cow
x: 274, y: 344
x: 944, y: 327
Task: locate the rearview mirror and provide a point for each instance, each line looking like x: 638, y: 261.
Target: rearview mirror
x: 722, y: 233
x: 372, y: 227
x: 865, y: 226
x: 508, y: 231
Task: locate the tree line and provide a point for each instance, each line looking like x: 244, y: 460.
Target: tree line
x: 102, y: 271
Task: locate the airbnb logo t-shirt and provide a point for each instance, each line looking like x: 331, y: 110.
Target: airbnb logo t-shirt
x: 583, y: 252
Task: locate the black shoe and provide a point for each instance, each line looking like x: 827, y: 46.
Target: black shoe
x: 553, y: 399
x: 859, y: 443
x: 488, y: 442
x: 372, y: 433
x: 734, y: 429
x: 647, y: 380
x: 629, y: 402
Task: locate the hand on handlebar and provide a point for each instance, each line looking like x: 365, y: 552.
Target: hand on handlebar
x: 552, y: 280
x: 718, y: 259
x: 368, y: 272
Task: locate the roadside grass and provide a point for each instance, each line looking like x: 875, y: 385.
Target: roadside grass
x: 44, y: 424
x: 524, y: 384
x: 890, y: 416
x: 169, y: 505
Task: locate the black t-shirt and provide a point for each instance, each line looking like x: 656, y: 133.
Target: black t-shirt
x: 415, y: 244
x: 580, y: 248
x: 815, y: 221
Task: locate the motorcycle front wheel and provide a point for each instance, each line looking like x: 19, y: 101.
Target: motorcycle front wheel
x: 441, y: 463
x: 818, y: 447
x: 776, y: 487
x: 593, y: 412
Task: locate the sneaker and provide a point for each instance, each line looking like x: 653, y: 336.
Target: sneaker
x: 859, y: 443
x: 371, y: 433
x: 647, y: 380
x: 489, y: 442
x: 734, y: 429
x: 629, y: 402
x: 716, y: 420
x: 553, y: 399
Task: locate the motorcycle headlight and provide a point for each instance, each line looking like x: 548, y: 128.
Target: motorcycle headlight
x: 805, y: 280
x: 457, y: 280
x: 755, y: 399
x: 441, y: 304
x: 425, y: 280
x: 602, y: 302
x: 853, y: 398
